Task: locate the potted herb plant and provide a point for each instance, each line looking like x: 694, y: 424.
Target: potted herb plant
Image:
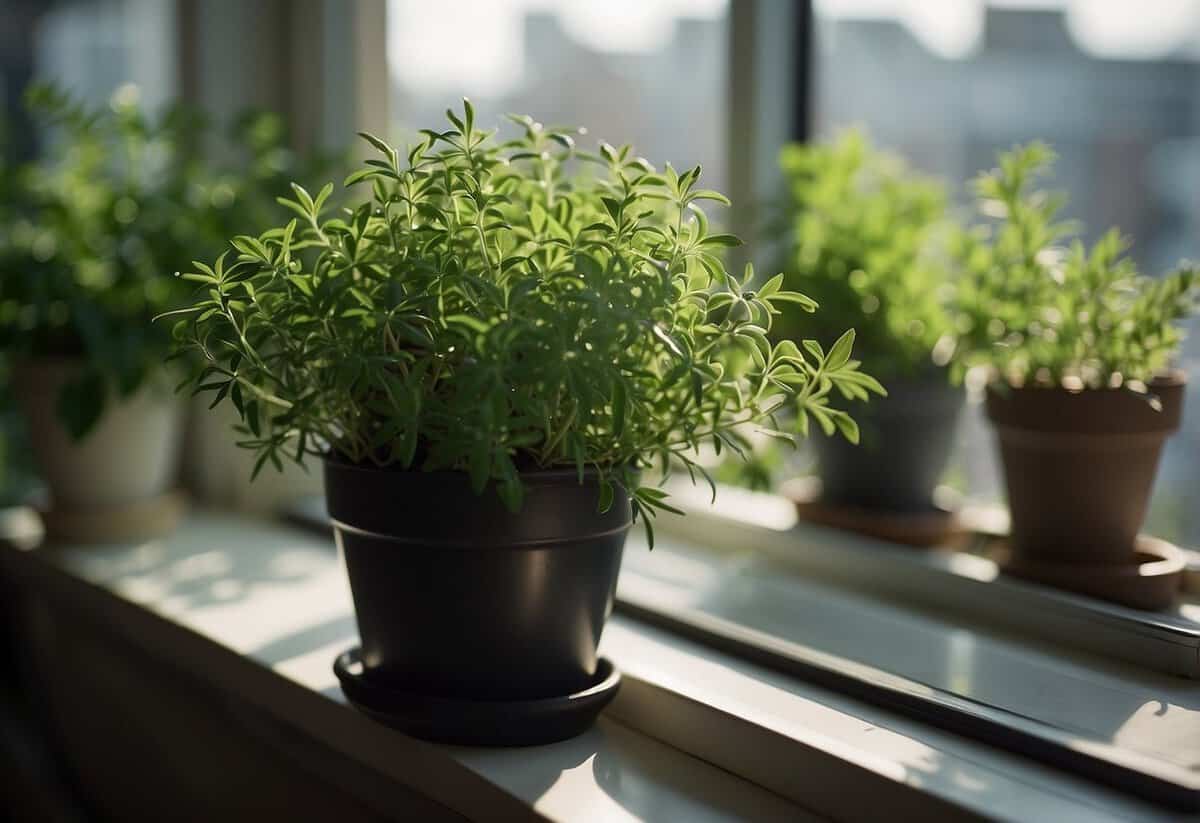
x: 860, y: 234
x: 85, y: 263
x: 1077, y: 346
x: 485, y: 354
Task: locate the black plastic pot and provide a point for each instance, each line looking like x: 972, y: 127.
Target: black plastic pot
x: 458, y: 597
x: 905, y: 442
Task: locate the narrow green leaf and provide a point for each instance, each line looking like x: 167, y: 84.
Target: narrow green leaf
x: 607, y: 495
x: 840, y: 353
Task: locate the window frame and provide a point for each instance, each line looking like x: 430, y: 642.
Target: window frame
x: 320, y: 63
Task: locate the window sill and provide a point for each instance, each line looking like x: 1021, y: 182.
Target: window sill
x: 747, y: 527
x: 259, y: 611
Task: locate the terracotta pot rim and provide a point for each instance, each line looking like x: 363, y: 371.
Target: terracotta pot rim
x: 1105, y: 412
x: 1172, y: 378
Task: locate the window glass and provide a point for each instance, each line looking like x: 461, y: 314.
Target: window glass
x: 91, y: 47
x: 95, y: 47
x: 651, y: 74
x: 1114, y: 87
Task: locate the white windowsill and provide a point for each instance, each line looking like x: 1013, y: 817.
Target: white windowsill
x: 744, y: 743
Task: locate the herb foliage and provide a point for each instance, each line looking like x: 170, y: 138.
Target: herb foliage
x: 500, y: 306
x: 92, y: 234
x: 1038, y: 307
x: 861, y: 233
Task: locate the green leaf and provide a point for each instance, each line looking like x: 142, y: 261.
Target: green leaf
x: 638, y: 509
x: 379, y: 146
x: 771, y: 286
x: 667, y: 340
x: 847, y: 427
x: 840, y: 353
x: 606, y: 497
x: 469, y: 112
x: 722, y: 240
x: 304, y: 197
x: 806, y: 303
x: 618, y: 404
x: 802, y: 423
x: 472, y: 323
x: 708, y: 194
x: 778, y: 435
x: 823, y: 418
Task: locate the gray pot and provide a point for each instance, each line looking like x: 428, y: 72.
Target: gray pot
x: 905, y: 443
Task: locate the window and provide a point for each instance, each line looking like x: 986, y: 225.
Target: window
x: 90, y: 48
x: 1110, y: 85
x: 93, y: 48
x: 650, y: 74
x: 935, y: 639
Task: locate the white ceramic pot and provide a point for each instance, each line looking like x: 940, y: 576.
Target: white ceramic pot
x: 130, y: 456
x: 217, y: 470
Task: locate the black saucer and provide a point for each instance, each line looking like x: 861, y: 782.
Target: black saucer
x: 476, y: 722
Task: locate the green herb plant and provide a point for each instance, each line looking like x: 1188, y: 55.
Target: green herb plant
x: 1036, y: 307
x: 497, y: 307
x: 93, y: 233
x: 861, y: 234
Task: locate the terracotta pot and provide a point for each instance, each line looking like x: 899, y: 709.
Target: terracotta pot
x: 131, y: 456
x: 1079, y: 466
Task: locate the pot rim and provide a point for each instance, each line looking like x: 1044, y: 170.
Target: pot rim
x: 427, y: 507
x: 1169, y: 379
x: 1089, y: 413
x: 543, y: 475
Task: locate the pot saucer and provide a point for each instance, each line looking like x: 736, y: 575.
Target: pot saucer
x: 1152, y: 581
x: 931, y: 526
x: 140, y: 520
x: 468, y: 722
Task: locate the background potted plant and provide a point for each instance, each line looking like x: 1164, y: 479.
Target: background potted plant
x: 860, y: 235
x: 486, y: 354
x: 85, y: 263
x: 1077, y: 347
x: 92, y: 238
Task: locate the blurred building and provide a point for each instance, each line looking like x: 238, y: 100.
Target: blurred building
x: 1125, y: 129
x: 665, y: 94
